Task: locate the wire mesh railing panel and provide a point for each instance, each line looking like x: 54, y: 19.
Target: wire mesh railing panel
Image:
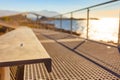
x: 105, y: 23
x: 66, y: 22
x: 99, y: 22
x: 80, y: 22
x: 57, y: 22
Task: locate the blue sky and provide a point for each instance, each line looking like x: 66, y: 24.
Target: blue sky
x: 61, y: 6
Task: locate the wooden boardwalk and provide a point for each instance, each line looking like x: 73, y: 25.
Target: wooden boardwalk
x: 74, y: 59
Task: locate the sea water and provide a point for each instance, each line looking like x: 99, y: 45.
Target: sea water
x: 104, y: 29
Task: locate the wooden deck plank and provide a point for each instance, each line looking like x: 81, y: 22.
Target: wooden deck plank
x: 103, y: 54
x: 67, y: 65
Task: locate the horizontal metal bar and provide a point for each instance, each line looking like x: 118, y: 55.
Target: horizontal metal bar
x: 89, y: 7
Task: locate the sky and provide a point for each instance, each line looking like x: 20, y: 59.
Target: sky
x: 60, y: 6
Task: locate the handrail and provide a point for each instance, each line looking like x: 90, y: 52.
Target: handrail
x: 22, y: 14
x: 89, y: 7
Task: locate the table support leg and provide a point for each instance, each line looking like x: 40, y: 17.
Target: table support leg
x: 4, y: 73
x: 48, y: 65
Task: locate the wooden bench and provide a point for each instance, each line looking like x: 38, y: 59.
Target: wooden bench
x: 20, y: 47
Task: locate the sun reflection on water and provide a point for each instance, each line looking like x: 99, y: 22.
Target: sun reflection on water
x: 104, y: 29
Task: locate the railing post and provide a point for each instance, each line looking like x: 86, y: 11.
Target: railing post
x: 118, y: 44
x: 61, y: 22
x: 88, y: 11
x: 25, y: 16
x: 54, y: 22
x: 71, y: 23
x: 37, y: 21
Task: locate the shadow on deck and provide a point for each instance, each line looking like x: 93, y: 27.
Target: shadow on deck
x: 75, y: 59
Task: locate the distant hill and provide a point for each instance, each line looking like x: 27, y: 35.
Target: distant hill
x: 7, y: 13
x: 47, y: 13
x: 43, y: 12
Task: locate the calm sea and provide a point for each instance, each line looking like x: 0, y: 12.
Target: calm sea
x: 104, y: 29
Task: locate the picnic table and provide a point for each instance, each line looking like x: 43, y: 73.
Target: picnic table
x: 20, y: 47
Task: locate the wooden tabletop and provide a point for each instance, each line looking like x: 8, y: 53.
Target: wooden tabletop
x: 21, y: 46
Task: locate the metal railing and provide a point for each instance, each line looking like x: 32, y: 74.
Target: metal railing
x: 91, y: 22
